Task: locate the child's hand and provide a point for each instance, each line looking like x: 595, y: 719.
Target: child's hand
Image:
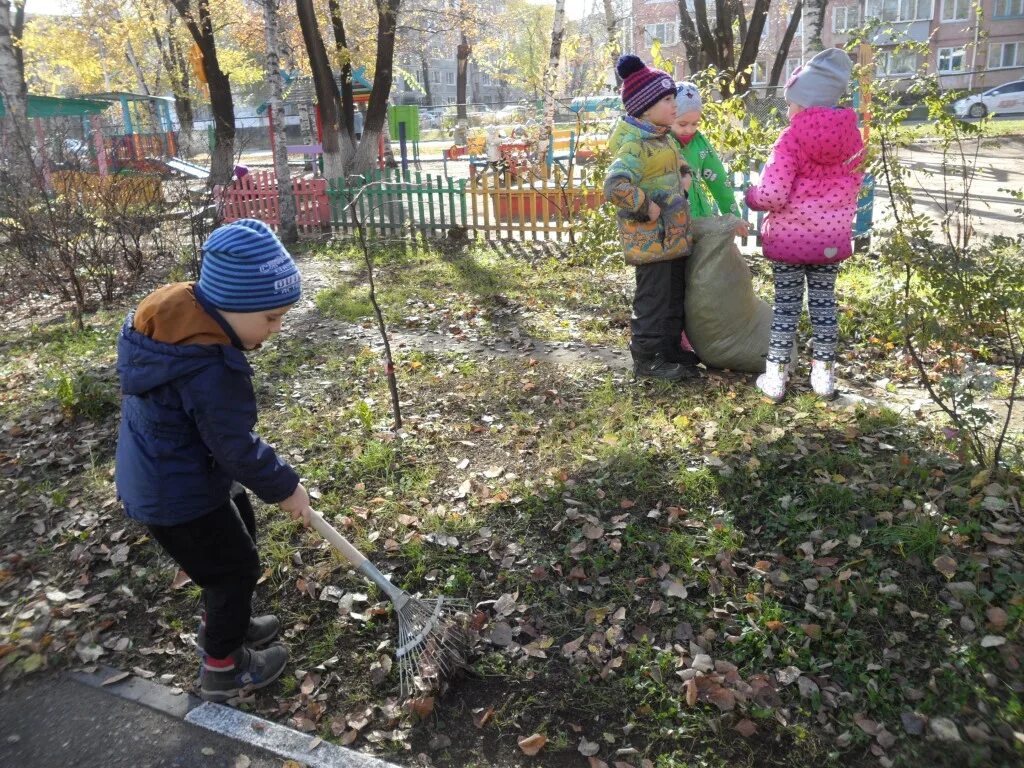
x: 742, y: 229
x: 653, y: 211
x: 297, y: 505
x: 687, y: 181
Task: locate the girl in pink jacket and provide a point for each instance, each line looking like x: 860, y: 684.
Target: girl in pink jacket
x: 809, y: 188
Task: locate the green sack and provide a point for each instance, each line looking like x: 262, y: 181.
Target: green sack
x: 727, y: 324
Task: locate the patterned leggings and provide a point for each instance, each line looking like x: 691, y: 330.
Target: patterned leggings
x: 789, y: 304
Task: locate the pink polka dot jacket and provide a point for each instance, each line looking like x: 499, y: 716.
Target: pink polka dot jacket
x: 809, y: 188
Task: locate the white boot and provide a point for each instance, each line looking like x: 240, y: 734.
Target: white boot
x: 823, y: 378
x: 773, y: 381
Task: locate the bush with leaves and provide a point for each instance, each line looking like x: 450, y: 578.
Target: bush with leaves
x: 957, y: 296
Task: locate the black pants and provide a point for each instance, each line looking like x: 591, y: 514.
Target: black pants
x: 657, y: 321
x: 218, y: 552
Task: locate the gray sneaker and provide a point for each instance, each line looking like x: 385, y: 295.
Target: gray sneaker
x: 261, y: 633
x: 249, y: 670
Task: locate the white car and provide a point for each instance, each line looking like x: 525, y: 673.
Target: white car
x: 1003, y: 100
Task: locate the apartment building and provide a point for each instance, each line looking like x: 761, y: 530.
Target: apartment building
x: 964, y: 52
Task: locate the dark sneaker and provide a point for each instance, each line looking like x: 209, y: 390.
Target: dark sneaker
x: 683, y: 357
x: 262, y: 631
x: 244, y: 670
x: 657, y: 367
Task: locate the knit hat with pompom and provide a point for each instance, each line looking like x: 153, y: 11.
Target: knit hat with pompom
x: 642, y: 86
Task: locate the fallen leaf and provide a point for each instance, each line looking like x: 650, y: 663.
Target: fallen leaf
x: 673, y: 588
x: 691, y: 692
x: 241, y: 761
x: 813, y: 631
x: 309, y: 683
x: 913, y: 723
x: 117, y: 678
x: 992, y: 641
x: 945, y: 565
x: 944, y: 729
x: 788, y: 675
x: 483, y: 717
x: 866, y: 724
x: 627, y: 503
x: 422, y: 706
x: 722, y: 698
x: 208, y: 751
x: 593, y: 532
x: 316, y: 742
x: 997, y: 617
x: 745, y: 728
x: 531, y: 745
x: 588, y: 748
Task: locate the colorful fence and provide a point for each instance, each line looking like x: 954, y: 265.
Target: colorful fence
x: 254, y: 196
x: 494, y: 204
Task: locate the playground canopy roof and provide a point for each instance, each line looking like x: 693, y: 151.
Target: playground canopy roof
x: 595, y: 103
x: 128, y: 96
x: 57, y: 106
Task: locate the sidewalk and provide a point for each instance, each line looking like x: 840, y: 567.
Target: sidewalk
x: 73, y: 720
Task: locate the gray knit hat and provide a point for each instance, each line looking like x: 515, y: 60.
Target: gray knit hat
x: 822, y: 81
x: 687, y: 98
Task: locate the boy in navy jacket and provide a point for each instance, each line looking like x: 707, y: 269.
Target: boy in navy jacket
x: 186, y: 444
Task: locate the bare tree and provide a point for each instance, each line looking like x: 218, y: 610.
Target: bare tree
x: 327, y: 95
x: 14, y: 93
x: 387, y: 18
x: 348, y: 104
x: 787, y: 41
x: 285, y: 198
x: 200, y: 25
x: 717, y: 46
x: 178, y: 72
x: 551, y: 75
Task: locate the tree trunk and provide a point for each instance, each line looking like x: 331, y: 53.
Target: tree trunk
x: 815, y: 19
x: 16, y: 136
x: 425, y: 69
x: 348, y: 104
x: 178, y: 73
x: 376, y: 112
x: 285, y: 199
x: 551, y: 78
x: 611, y: 24
x: 691, y: 40
x: 751, y: 45
x: 200, y: 26
x: 461, y: 73
x: 327, y: 96
x: 787, y: 41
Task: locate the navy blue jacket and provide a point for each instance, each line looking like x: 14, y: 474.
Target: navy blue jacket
x: 187, y: 418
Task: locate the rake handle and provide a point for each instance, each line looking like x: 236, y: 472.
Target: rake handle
x: 336, y: 540
x: 357, y: 558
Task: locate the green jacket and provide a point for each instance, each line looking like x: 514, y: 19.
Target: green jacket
x: 646, y: 167
x: 710, y: 179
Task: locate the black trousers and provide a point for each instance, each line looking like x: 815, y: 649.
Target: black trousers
x: 218, y: 552
x: 657, y: 321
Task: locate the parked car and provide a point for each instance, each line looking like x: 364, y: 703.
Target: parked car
x: 1003, y: 99
x: 513, y: 113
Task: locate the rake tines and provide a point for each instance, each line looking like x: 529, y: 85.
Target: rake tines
x: 432, y: 642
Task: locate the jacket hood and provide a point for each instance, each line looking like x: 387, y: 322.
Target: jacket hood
x: 829, y: 136
x: 145, y: 364
x: 632, y: 129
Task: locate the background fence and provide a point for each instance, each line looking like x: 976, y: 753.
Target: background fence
x: 492, y: 205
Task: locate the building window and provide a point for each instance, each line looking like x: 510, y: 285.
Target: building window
x: 435, y: 76
x: 951, y: 60
x: 790, y: 68
x: 485, y: 79
x: 845, y: 18
x: 899, y: 10
x: 1006, y: 55
x: 759, y: 76
x: 667, y: 33
x: 449, y: 78
x: 1008, y: 9
x: 892, y: 63
x: 956, y: 10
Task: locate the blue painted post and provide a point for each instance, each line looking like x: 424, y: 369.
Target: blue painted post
x: 126, y: 114
x: 403, y: 147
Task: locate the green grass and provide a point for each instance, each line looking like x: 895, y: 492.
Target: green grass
x: 786, y: 524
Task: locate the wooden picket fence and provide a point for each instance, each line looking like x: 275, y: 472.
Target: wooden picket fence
x: 254, y: 196
x: 492, y: 205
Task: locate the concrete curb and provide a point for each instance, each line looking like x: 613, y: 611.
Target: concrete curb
x: 243, y: 727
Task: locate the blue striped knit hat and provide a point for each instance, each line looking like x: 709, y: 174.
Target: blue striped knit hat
x: 247, y: 269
